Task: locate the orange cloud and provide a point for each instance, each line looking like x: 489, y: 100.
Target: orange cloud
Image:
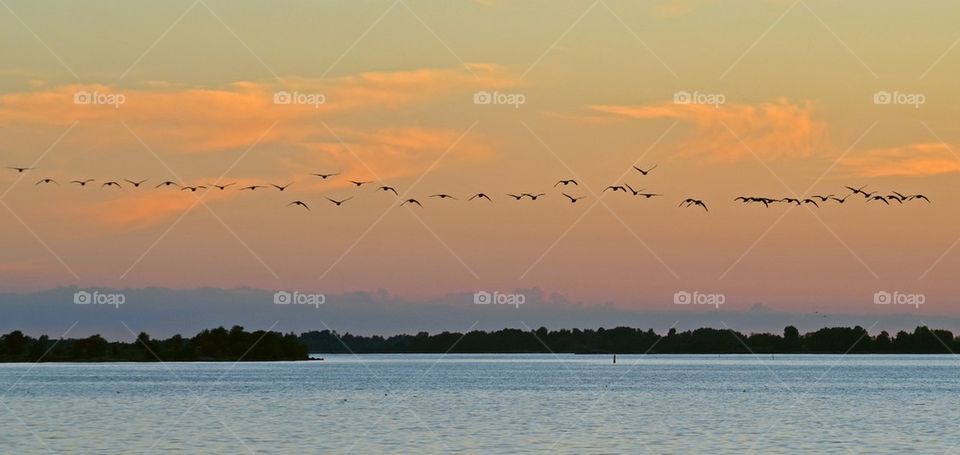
x: 773, y: 130
x: 909, y: 160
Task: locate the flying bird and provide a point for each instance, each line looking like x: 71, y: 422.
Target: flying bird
x: 389, y: 188
x: 326, y: 176
x: 223, y: 187
x: 300, y: 203
x: 918, y: 196
x: 82, y: 182
x: 135, y: 183
x: 167, y: 183
x: 615, y: 188
x: 46, y: 181
x: 411, y: 201
x: 443, y: 196
x: 252, y: 187
x: 645, y: 172
x: 566, y: 182
x: 281, y: 188
x: 193, y: 188
x: 339, y: 203
x: 533, y: 197
x: 878, y: 198
x: 20, y: 169
x: 843, y: 199
x: 857, y: 190
x: 635, y: 192
x: 693, y: 202
x: 649, y: 195
x: 823, y: 198
x: 515, y: 196
x: 810, y: 201
x: 359, y: 184
x: 480, y: 195
x: 110, y: 183
x: 573, y: 200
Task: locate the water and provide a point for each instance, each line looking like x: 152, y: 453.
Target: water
x: 487, y: 404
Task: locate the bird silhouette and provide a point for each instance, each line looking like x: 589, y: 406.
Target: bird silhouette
x: 46, y: 181
x: 615, y: 188
x: 573, y: 200
x: 20, y: 169
x: 857, y: 190
x: 533, y: 197
x: 110, y: 183
x: 790, y: 200
x: 918, y: 196
x: 823, y: 198
x: 649, y: 195
x: 481, y: 196
x: 340, y: 202
x: 894, y: 197
x: 252, y: 187
x: 878, y: 198
x: 223, y: 187
x: 82, y: 182
x: 193, y: 189
x: 516, y: 197
x: 645, y: 172
x: 635, y: 192
x: 843, y: 199
x: 693, y: 202
x: 167, y: 183
x: 810, y: 201
x: 281, y: 188
x: 566, y: 182
x: 300, y: 203
x: 359, y: 184
x: 389, y: 188
x: 411, y: 201
x: 326, y: 176
x: 135, y: 184
x: 443, y: 196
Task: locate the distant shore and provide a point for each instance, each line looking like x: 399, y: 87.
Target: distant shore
x: 237, y: 344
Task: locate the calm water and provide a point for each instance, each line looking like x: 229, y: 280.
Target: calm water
x: 488, y: 404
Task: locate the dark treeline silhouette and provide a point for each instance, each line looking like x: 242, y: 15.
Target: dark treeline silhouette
x: 217, y: 344
x: 626, y: 340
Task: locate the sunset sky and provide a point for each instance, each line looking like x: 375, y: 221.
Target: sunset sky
x: 198, y: 80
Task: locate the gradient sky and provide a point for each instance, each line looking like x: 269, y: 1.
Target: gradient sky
x: 599, y: 78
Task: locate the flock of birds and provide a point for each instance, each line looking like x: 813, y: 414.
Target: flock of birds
x: 625, y: 188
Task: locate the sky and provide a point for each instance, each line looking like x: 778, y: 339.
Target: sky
x: 789, y: 98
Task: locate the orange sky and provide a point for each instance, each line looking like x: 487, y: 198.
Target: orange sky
x: 815, y: 95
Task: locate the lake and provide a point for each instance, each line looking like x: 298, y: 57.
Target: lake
x: 488, y: 404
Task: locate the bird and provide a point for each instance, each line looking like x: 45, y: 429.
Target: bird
x: 135, y: 183
x: 857, y: 190
x: 82, y: 182
x: 573, y: 200
x: 533, y: 197
x: 326, y: 176
x: 411, y: 201
x: 878, y: 198
x: 615, y: 188
x: 810, y: 201
x: 300, y: 203
x: 480, y: 195
x: 223, y: 187
x: 359, y: 184
x: 281, y: 188
x: 110, y: 183
x: 20, y: 169
x: 823, y: 198
x: 645, y: 172
x: 649, y: 195
x: 566, y: 182
x: 635, y: 192
x: 868, y: 195
x: 515, y: 196
x: 443, y: 196
x: 340, y: 202
x: 252, y: 187
x: 689, y: 202
x: 389, y: 188
x: 843, y: 199
x: 46, y: 181
x: 790, y: 200
x: 894, y: 197
x: 193, y: 188
x: 167, y: 183
x: 918, y: 196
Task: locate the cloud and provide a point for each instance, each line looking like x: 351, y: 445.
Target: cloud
x: 912, y: 160
x: 772, y: 130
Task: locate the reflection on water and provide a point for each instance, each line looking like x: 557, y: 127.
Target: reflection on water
x: 487, y: 404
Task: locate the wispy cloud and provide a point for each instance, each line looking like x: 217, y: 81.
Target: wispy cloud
x: 904, y: 161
